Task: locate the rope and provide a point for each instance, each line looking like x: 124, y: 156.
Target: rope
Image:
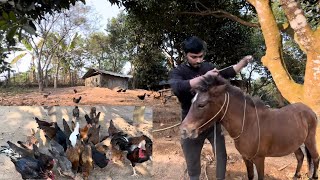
x: 163, y: 129
x: 258, y: 148
x: 243, y: 119
x: 225, y: 100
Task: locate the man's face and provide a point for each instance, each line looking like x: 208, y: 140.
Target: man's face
x: 195, y: 59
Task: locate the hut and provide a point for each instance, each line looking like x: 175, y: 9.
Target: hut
x: 101, y: 78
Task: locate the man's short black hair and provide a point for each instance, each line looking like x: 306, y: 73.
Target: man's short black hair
x: 194, y: 44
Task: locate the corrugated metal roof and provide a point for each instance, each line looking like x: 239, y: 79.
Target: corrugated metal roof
x: 94, y: 71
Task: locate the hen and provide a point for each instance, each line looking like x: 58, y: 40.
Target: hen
x: 99, y: 158
x: 86, y: 161
x: 43, y: 123
x: 31, y: 168
x: 77, y: 100
x: 141, y: 97
x: 93, y: 112
x: 75, y: 112
x: 73, y: 153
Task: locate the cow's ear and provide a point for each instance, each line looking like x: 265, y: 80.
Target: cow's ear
x: 218, y: 90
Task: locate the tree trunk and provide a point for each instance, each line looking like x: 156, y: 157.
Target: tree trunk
x: 40, y: 77
x: 55, y: 83
x: 308, y: 93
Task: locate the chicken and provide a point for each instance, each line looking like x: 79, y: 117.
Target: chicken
x: 88, y: 119
x: 73, y: 137
x: 43, y: 123
x: 75, y: 91
x: 119, y: 90
x: 21, y: 151
x: 95, y: 120
x: 124, y: 90
x: 30, y: 141
x: 60, y: 137
x: 138, y: 155
x: 112, y: 129
x: 55, y: 147
x: 73, y: 154
x: 93, y: 112
x: 141, y: 97
x: 94, y: 135
x: 46, y: 95
x: 135, y: 141
x: 84, y: 132
x: 37, y: 167
x: 77, y: 100
x: 64, y: 166
x: 67, y: 130
x: 99, y: 158
x: 75, y: 112
x: 31, y: 168
x: 86, y: 161
x: 49, y: 131
x: 120, y: 141
x: 101, y: 147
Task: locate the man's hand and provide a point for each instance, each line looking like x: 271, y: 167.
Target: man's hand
x: 246, y: 60
x: 213, y: 72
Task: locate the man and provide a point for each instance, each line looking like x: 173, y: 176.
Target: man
x: 182, y: 80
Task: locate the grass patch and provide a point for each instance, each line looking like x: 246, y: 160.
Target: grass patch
x: 14, y: 90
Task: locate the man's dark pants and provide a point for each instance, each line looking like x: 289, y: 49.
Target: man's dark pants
x: 192, y: 151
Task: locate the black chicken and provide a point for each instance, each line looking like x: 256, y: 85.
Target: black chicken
x: 119, y: 90
x: 31, y: 168
x: 99, y: 158
x: 66, y: 127
x: 120, y: 141
x: 21, y: 151
x: 141, y: 97
x: 124, y: 90
x: 75, y: 112
x: 75, y: 100
x: 60, y: 137
x: 88, y: 119
x: 75, y: 91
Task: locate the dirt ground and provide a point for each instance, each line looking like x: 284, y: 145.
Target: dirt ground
x: 168, y: 162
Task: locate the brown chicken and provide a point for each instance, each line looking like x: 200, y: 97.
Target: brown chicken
x: 30, y: 141
x: 73, y: 154
x: 86, y: 161
x: 112, y: 129
x: 84, y: 132
x: 94, y: 135
x: 95, y: 120
x: 49, y: 131
x: 43, y: 123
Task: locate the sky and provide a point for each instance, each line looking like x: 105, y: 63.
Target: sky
x: 102, y: 8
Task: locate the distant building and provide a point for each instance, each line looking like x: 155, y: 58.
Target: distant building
x: 100, y: 78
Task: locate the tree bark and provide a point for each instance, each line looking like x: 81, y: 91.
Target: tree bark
x: 308, y: 93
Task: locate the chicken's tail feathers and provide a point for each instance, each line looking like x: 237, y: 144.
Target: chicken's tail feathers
x: 7, y: 151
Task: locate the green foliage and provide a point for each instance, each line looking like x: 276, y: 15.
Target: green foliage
x: 17, y: 19
x: 149, y: 69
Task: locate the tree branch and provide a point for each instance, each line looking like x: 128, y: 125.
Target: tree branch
x: 221, y: 14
